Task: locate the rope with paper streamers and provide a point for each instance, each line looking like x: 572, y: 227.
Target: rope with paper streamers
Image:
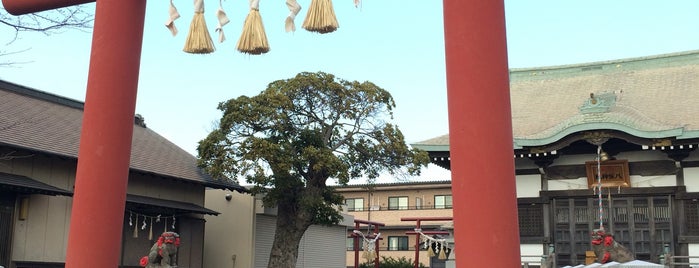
x: 369, y: 246
x: 170, y: 23
x: 599, y: 187
x: 222, y: 20
x: 441, y: 245
x: 147, y: 221
x: 294, y: 9
x: 320, y: 18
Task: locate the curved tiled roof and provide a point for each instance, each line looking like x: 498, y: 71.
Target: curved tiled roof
x: 40, y: 121
x: 648, y: 97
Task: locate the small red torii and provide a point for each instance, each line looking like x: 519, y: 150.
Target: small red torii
x: 418, y: 228
x: 357, y: 223
x: 480, y: 128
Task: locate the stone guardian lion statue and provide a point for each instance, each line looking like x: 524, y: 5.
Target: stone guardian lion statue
x: 163, y: 254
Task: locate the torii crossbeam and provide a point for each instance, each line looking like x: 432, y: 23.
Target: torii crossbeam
x: 480, y: 128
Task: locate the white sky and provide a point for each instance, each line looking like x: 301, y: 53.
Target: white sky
x: 396, y: 44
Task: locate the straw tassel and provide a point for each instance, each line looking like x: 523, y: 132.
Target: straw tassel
x: 222, y: 20
x: 135, y: 228
x: 150, y: 230
x: 198, y: 40
x: 294, y: 9
x: 170, y: 23
x: 442, y: 253
x: 321, y: 17
x: 430, y: 251
x: 253, y: 39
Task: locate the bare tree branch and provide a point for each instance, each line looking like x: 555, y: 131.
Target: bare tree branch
x: 46, y: 22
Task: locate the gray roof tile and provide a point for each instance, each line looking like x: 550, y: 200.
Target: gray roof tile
x: 655, y: 95
x: 44, y: 122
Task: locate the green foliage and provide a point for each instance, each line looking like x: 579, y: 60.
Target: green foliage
x: 390, y: 262
x: 298, y: 133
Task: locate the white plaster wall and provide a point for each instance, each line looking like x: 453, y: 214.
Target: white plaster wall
x: 528, y: 185
x: 580, y: 183
x: 693, y: 250
x: 229, y: 235
x: 653, y: 181
x: 691, y: 179
x: 531, y: 250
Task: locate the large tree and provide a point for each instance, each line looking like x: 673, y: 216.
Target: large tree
x: 298, y: 133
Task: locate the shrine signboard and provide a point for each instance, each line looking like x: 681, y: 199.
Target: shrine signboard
x: 614, y: 173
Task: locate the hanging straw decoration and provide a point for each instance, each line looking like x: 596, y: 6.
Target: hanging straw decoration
x: 369, y: 246
x: 441, y: 246
x: 135, y: 228
x: 443, y: 253
x: 170, y: 23
x: 294, y: 9
x: 150, y: 231
x: 222, y: 20
x: 253, y: 39
x: 321, y: 17
x: 198, y: 40
x: 165, y: 225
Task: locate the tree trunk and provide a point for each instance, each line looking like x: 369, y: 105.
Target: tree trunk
x: 290, y: 228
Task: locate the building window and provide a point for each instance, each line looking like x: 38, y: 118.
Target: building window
x: 397, y: 243
x: 418, y: 203
x: 691, y: 210
x: 398, y: 203
x: 354, y: 204
x: 350, y: 243
x: 442, y: 201
x: 531, y: 220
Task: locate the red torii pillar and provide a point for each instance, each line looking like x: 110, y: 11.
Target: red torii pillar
x: 95, y: 234
x: 479, y: 125
x: 480, y: 134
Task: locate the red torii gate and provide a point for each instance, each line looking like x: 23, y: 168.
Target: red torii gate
x: 480, y: 130
x: 418, y: 228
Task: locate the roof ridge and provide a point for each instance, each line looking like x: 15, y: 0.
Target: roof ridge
x: 607, y: 62
x: 42, y: 95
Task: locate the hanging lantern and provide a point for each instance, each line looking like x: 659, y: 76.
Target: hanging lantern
x: 321, y: 17
x: 198, y: 40
x: 253, y: 39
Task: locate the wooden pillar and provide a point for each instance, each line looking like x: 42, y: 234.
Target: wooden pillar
x: 96, y: 223
x: 480, y: 134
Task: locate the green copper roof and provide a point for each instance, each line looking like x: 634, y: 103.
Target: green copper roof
x: 647, y: 97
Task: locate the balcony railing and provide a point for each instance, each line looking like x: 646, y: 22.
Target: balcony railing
x: 387, y: 208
